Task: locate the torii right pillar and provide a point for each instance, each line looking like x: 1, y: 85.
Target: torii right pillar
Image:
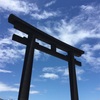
x: 72, y: 77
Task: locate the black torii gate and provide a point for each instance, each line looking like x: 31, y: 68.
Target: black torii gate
x: 31, y: 44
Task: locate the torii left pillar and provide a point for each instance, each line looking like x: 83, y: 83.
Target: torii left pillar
x: 27, y: 68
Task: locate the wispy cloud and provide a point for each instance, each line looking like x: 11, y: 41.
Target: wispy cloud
x: 44, y: 14
x: 50, y: 76
x: 18, y: 6
x: 5, y: 71
x: 98, y: 88
x: 79, y: 28
x: 17, y: 84
x: 87, y: 8
x: 92, y: 56
x: 61, y: 72
x: 7, y: 88
x: 11, y: 51
x: 34, y: 92
x: 82, y: 28
x: 25, y: 7
x: 79, y: 72
x: 50, y: 3
x: 53, y: 70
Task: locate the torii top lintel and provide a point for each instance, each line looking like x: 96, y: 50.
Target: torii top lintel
x: 31, y: 30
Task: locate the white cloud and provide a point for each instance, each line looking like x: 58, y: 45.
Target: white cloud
x: 14, y: 31
x: 61, y: 72
x: 66, y: 72
x: 48, y: 69
x: 50, y: 76
x: 9, y: 54
x: 92, y: 55
x: 5, y: 71
x: 25, y: 7
x: 22, y: 51
x: 54, y: 69
x: 50, y: 3
x: 37, y: 54
x: 11, y: 51
x: 72, y: 33
x: 32, y: 86
x: 79, y: 73
x: 18, y: 6
x: 5, y: 41
x: 44, y: 15
x: 96, y: 47
x: 17, y: 84
x: 87, y: 8
x: 34, y: 92
x: 84, y: 26
x: 6, y: 52
x: 98, y: 88
x: 6, y: 88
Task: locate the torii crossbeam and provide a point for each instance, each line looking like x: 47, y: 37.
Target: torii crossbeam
x: 31, y: 44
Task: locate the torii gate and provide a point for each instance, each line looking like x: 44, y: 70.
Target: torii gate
x: 33, y: 34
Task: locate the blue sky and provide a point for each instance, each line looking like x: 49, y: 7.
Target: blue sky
x: 74, y: 22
